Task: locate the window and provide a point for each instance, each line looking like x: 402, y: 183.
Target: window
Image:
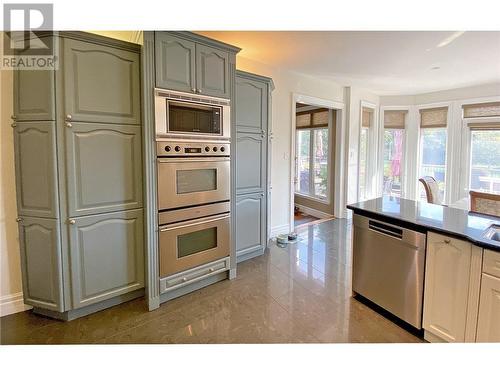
x: 364, y: 142
x: 485, y: 159
x: 394, y: 131
x: 313, y: 154
x: 432, y: 147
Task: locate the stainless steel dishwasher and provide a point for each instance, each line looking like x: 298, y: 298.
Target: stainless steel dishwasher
x: 388, y: 267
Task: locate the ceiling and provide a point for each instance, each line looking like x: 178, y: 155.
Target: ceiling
x: 385, y: 62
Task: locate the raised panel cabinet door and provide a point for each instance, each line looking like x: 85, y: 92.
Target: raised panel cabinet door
x: 250, y: 163
x: 488, y: 325
x: 36, y: 169
x: 251, y: 105
x: 104, y: 168
x: 107, y: 256
x: 447, y: 271
x: 101, y: 84
x: 250, y: 223
x: 175, y: 60
x: 41, y: 262
x: 34, y: 91
x: 212, y: 71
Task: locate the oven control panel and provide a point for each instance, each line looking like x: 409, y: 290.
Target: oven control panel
x: 175, y: 148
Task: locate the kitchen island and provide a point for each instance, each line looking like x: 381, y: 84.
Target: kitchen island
x: 459, y: 279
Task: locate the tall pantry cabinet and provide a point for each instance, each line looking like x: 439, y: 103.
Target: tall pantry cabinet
x: 78, y: 137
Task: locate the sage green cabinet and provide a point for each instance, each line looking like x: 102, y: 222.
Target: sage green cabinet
x: 78, y: 152
x: 175, y: 62
x: 36, y: 168
x: 183, y: 64
x: 101, y: 83
x: 212, y: 71
x: 104, y: 168
x: 39, y: 241
x: 106, y: 256
x: 251, y: 147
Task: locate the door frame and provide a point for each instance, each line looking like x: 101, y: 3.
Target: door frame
x: 339, y: 167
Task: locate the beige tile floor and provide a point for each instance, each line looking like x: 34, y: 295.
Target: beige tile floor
x: 297, y: 294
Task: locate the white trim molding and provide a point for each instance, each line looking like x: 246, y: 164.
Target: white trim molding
x: 280, y: 229
x: 12, y: 303
x: 313, y: 212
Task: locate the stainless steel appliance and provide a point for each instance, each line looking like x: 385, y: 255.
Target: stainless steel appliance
x: 193, y: 236
x: 193, y: 203
x: 388, y: 267
x: 182, y: 115
x: 192, y: 173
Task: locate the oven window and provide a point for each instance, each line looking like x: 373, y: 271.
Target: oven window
x: 196, y: 180
x: 191, y: 118
x: 195, y: 242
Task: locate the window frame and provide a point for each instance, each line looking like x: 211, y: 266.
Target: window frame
x: 312, y: 143
x: 371, y: 149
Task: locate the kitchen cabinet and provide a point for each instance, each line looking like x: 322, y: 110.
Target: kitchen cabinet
x: 36, y: 168
x: 41, y: 262
x: 185, y: 63
x: 79, y: 177
x: 251, y: 144
x: 447, y: 273
x: 107, y: 256
x: 488, y: 325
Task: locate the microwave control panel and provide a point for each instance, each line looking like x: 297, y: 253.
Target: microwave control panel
x: 173, y: 148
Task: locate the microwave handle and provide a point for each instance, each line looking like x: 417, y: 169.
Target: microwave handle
x: 166, y: 228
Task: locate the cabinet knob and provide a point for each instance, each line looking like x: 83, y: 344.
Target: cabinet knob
x: 199, y: 91
x: 210, y: 270
x: 71, y: 221
x: 14, y: 124
x: 69, y: 124
x: 184, y: 279
x: 19, y: 220
x: 447, y: 241
x: 193, y: 89
x: 69, y: 117
x: 13, y: 117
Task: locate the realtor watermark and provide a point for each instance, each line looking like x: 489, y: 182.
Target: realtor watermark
x: 29, y: 42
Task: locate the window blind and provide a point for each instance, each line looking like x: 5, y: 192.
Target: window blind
x: 394, y: 119
x: 481, y: 110
x: 366, y: 117
x: 312, y: 119
x: 433, y: 117
x: 484, y: 125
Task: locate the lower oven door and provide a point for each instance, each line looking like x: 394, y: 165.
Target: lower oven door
x: 191, y: 181
x: 192, y: 243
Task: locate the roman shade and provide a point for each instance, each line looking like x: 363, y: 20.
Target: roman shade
x: 433, y: 117
x: 317, y: 118
x: 481, y: 110
x: 366, y: 117
x: 484, y: 125
x: 394, y: 119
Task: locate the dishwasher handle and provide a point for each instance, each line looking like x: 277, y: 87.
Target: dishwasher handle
x: 388, y: 230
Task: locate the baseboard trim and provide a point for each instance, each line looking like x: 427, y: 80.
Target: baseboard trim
x: 313, y: 212
x: 279, y: 229
x: 12, y: 303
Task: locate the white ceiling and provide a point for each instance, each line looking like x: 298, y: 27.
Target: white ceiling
x: 386, y: 62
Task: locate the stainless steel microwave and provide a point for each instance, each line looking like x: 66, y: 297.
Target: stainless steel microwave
x: 184, y: 115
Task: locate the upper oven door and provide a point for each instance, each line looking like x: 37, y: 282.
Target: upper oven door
x: 191, y: 181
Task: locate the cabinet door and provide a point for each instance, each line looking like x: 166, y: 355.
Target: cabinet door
x: 101, y: 83
x: 34, y: 93
x: 107, y: 257
x: 103, y: 168
x: 251, y: 104
x: 175, y: 63
x: 447, y: 271
x: 250, y: 163
x: 39, y: 242
x: 36, y: 166
x: 212, y: 71
x: 250, y: 226
x: 488, y: 325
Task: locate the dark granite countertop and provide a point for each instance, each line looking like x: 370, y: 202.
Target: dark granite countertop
x: 427, y: 216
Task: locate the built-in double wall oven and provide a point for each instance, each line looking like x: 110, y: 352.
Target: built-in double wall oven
x: 193, y: 178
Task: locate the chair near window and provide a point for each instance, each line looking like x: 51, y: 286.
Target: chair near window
x: 431, y: 189
x: 484, y: 203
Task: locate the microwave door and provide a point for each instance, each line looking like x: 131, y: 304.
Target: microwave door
x: 193, y: 119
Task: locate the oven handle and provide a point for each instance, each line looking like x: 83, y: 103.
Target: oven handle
x: 183, y: 224
x: 191, y: 159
